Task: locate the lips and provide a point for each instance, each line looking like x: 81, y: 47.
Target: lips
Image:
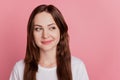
x: 46, y: 42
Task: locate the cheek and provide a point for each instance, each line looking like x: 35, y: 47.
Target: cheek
x: 57, y: 36
x: 36, y: 37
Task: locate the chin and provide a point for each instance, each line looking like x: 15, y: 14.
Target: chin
x: 47, y: 48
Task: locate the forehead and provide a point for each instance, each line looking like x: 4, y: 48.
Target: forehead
x: 43, y: 19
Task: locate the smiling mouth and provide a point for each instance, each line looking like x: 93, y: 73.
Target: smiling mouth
x: 46, y: 42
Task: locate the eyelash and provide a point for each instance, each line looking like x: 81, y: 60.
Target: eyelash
x: 52, y: 28
x: 39, y: 29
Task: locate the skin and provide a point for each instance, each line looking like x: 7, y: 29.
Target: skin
x: 46, y: 35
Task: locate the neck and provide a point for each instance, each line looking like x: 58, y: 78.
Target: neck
x: 48, y: 58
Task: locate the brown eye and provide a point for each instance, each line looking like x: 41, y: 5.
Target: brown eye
x: 37, y: 29
x: 52, y: 28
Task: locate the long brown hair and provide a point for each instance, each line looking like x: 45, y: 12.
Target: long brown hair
x: 63, y: 55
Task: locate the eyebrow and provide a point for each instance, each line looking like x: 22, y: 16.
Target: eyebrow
x: 41, y: 25
x: 51, y: 24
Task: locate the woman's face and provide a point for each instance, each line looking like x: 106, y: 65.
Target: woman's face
x: 46, y: 33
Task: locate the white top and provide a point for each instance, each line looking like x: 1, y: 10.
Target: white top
x: 78, y: 71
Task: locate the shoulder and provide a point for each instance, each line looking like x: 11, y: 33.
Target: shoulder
x: 78, y: 69
x: 76, y: 61
x: 19, y: 66
x: 18, y: 70
x: 19, y: 63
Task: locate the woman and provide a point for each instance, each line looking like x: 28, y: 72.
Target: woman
x: 47, y: 54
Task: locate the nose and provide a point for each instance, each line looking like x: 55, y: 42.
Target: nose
x: 45, y: 34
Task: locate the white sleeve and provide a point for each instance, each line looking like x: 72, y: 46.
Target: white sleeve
x: 14, y: 74
x: 82, y: 73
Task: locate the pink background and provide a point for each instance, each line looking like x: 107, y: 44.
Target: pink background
x: 94, y: 28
